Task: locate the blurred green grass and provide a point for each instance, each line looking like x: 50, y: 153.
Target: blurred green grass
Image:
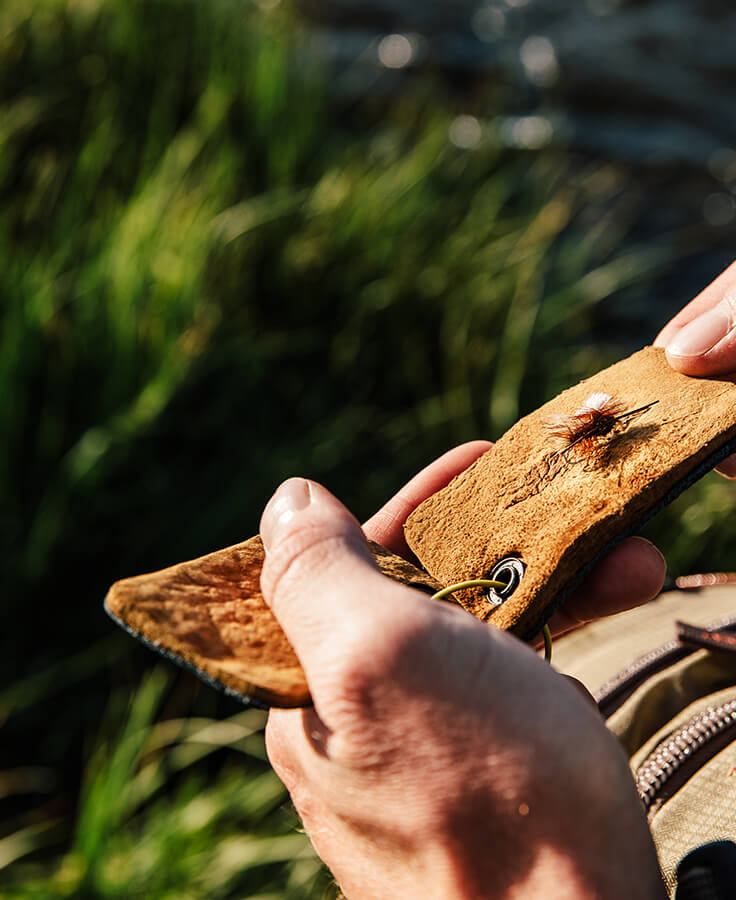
x: 214, y: 276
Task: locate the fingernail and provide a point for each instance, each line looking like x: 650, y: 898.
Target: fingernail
x: 291, y: 497
x: 703, y: 333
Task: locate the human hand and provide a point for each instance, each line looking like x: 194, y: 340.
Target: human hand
x: 701, y: 339
x: 442, y: 758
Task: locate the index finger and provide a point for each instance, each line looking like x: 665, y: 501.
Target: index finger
x: 386, y: 527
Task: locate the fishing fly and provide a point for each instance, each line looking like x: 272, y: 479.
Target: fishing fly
x: 582, y: 434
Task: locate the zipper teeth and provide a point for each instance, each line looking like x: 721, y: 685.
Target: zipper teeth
x: 638, y: 668
x: 678, y: 749
x: 629, y: 677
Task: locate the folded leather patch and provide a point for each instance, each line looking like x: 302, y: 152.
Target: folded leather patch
x: 209, y: 616
x: 537, y: 511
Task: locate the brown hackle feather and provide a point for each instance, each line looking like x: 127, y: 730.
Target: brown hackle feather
x: 583, y: 431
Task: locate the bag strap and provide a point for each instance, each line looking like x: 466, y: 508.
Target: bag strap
x: 707, y: 873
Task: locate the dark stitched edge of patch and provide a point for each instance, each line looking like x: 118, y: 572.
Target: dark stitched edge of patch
x: 246, y: 700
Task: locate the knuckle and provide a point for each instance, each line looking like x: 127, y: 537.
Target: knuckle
x: 304, y: 801
x: 381, y: 647
x: 299, y: 557
x: 280, y: 752
x: 381, y: 662
x: 280, y: 741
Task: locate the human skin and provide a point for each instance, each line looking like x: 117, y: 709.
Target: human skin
x: 701, y: 339
x: 443, y: 758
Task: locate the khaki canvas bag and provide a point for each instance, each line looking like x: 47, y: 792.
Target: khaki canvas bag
x: 668, y: 692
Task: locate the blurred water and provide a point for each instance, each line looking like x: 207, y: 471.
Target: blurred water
x: 646, y: 83
x: 644, y: 80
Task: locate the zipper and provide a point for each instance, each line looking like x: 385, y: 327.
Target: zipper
x: 614, y: 693
x: 611, y: 695
x: 674, y: 761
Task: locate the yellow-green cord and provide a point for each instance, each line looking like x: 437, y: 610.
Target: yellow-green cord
x: 473, y: 582
x: 547, y: 635
x: 486, y: 582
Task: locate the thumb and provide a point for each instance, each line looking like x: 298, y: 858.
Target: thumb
x: 321, y: 581
x: 707, y: 344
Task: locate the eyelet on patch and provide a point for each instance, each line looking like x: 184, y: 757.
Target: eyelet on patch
x: 510, y: 570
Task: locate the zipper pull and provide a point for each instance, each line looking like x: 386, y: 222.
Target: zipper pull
x: 705, y: 638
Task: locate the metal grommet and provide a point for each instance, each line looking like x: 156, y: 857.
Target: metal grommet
x: 510, y: 571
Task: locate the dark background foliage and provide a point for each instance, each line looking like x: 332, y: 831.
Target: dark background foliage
x: 218, y: 271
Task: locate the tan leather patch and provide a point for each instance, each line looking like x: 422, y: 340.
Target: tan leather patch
x: 526, y: 499
x: 209, y: 613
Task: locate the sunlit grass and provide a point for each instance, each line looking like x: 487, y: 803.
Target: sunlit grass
x: 155, y: 821
x: 213, y: 276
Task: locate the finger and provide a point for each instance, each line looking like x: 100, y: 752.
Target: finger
x: 283, y: 731
x: 294, y: 761
x: 323, y: 586
x: 706, y: 299
x: 705, y: 343
x: 386, y: 527
x: 728, y: 467
x: 631, y: 574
